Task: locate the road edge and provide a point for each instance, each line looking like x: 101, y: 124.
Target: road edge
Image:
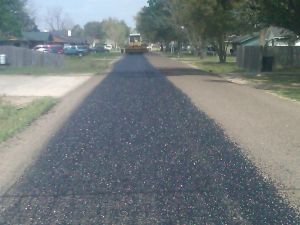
x: 20, y: 151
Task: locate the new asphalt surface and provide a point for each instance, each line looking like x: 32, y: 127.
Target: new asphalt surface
x: 137, y: 151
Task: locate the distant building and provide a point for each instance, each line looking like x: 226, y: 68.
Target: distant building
x: 28, y: 39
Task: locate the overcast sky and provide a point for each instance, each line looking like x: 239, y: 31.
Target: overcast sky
x: 82, y: 11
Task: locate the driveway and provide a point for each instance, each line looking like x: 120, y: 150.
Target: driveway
x: 38, y: 86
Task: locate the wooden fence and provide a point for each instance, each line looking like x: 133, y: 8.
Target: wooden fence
x: 251, y: 57
x: 23, y: 57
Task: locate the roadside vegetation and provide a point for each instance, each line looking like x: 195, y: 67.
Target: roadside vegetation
x: 15, y: 118
x: 209, y: 63
x: 285, y: 83
x: 89, y: 64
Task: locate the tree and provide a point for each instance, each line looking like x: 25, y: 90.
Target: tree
x: 94, y: 30
x: 213, y: 20
x: 28, y: 18
x: 155, y: 22
x: 14, y: 18
x: 77, y: 31
x: 115, y: 30
x: 57, y: 20
x: 281, y: 13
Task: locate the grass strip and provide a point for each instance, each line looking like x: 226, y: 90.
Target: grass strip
x: 209, y: 63
x: 13, y: 119
x: 93, y: 63
x: 284, y: 82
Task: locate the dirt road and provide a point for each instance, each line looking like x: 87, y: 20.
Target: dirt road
x: 137, y: 151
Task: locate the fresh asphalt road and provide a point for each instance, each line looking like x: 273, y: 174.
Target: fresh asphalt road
x: 137, y: 151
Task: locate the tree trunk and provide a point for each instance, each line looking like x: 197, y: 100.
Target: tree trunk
x: 222, y: 49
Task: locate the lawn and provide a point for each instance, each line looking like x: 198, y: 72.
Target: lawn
x: 14, y: 119
x: 209, y: 63
x: 91, y: 64
x: 286, y: 84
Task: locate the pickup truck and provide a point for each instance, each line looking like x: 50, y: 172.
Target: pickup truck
x: 76, y: 50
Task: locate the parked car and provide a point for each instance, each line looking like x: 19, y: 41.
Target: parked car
x: 100, y: 49
x: 41, y: 48
x: 58, y: 49
x: 76, y: 50
x: 108, y: 47
x: 211, y: 51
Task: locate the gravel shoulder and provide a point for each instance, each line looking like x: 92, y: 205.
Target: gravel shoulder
x: 265, y: 126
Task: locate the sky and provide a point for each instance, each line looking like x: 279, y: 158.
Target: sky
x: 82, y: 11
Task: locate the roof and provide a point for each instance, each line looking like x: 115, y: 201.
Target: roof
x: 244, y: 39
x: 62, y: 37
x: 36, y: 36
x: 277, y: 32
x: 253, y: 42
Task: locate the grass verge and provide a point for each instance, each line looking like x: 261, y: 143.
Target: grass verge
x: 284, y: 82
x: 14, y: 119
x: 91, y: 64
x: 209, y: 63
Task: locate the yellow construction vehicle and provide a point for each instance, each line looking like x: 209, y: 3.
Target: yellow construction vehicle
x: 135, y: 45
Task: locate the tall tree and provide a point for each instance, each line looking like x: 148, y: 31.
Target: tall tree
x: 14, y: 18
x: 57, y: 20
x: 94, y: 29
x: 156, y: 24
x: 77, y: 31
x: 116, y: 31
x: 281, y: 13
x: 213, y: 20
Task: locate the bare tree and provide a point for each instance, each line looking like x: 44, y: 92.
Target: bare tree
x: 56, y: 19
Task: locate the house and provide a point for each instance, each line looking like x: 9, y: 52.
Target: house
x: 28, y: 39
x: 36, y: 38
x: 277, y: 36
x: 66, y: 38
x: 245, y: 40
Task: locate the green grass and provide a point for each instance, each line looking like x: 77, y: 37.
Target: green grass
x: 284, y: 84
x: 91, y: 64
x: 14, y: 119
x: 209, y: 63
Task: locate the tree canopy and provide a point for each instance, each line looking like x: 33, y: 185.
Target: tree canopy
x: 155, y: 22
x: 214, y: 21
x: 94, y: 29
x: 281, y: 13
x: 115, y: 30
x: 14, y: 18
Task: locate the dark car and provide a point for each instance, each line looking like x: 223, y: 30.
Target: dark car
x: 211, y: 51
x: 58, y: 49
x: 99, y: 49
x: 76, y: 50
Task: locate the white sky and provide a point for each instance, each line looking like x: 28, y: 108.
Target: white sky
x: 82, y: 11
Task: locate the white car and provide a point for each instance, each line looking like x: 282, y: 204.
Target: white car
x: 108, y: 47
x: 41, y: 48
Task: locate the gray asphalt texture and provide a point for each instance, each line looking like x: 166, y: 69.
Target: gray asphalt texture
x: 138, y: 151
